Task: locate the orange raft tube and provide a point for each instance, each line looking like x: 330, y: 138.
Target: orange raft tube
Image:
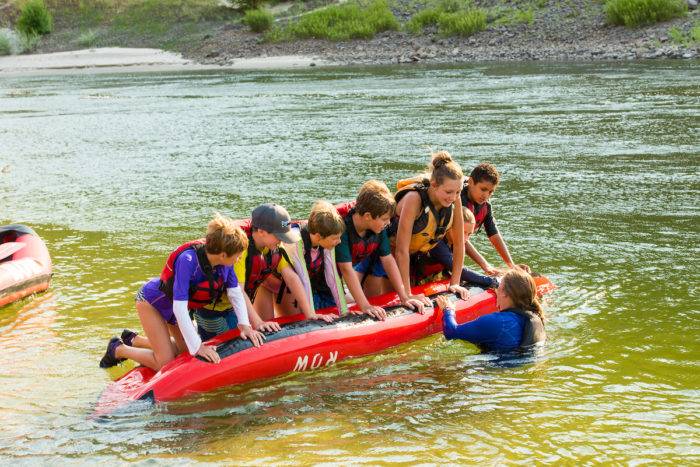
x: 25, y: 264
x: 300, y: 345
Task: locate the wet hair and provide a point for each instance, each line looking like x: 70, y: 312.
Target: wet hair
x: 325, y: 220
x: 375, y: 198
x: 442, y: 166
x: 521, y: 288
x: 224, y: 236
x: 485, y: 172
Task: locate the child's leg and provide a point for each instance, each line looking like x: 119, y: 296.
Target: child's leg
x: 477, y: 279
x: 442, y: 254
x: 264, y: 303
x: 156, y: 330
x: 376, y: 281
x: 289, y: 305
x: 178, y: 338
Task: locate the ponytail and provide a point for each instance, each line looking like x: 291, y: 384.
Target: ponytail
x: 442, y: 166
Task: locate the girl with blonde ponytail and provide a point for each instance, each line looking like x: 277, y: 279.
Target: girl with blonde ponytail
x: 427, y: 208
x: 519, y: 324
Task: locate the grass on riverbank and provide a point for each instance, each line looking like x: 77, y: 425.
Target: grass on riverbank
x: 168, y: 24
x: 634, y: 13
x: 356, y: 20
x: 686, y: 39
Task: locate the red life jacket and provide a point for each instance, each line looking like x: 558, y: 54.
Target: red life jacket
x: 204, y: 293
x: 483, y: 211
x: 315, y: 267
x: 258, y: 266
x: 360, y: 247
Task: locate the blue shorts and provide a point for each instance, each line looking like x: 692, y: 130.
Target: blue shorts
x: 322, y: 300
x: 371, y: 265
x: 151, y: 294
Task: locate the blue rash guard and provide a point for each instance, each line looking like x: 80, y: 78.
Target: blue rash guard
x: 495, y: 332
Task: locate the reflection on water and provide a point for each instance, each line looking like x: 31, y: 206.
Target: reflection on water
x: 600, y: 189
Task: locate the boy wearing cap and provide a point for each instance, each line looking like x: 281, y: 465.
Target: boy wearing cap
x: 268, y: 227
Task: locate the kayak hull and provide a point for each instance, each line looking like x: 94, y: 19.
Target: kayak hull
x: 27, y: 270
x: 308, y: 345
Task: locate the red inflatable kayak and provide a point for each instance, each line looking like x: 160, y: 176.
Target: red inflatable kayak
x: 25, y: 264
x: 300, y: 345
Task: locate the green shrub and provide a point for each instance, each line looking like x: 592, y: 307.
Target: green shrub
x: 459, y: 23
x: 632, y: 13
x: 258, y: 20
x: 5, y: 45
x: 29, y: 42
x: 423, y: 19
x: 346, y: 21
x: 506, y: 16
x: 463, y: 23
x: 695, y: 33
x: 35, y: 19
x: 10, y: 42
x: 88, y: 38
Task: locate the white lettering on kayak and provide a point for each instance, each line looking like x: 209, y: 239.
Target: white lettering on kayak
x: 301, y: 363
x: 316, y: 361
x: 332, y: 357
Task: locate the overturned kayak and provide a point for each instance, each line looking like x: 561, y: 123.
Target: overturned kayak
x: 300, y: 345
x: 25, y: 264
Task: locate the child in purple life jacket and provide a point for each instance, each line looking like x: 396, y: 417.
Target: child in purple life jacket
x: 196, y: 274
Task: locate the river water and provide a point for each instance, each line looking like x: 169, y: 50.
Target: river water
x: 601, y: 183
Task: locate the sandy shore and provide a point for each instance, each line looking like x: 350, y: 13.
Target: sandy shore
x: 128, y: 60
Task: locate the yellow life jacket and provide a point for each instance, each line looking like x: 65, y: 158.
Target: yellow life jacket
x: 431, y: 225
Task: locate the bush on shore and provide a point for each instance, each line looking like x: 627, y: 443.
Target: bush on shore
x: 34, y: 19
x: 633, y: 13
x: 5, y: 45
x: 449, y: 23
x: 357, y: 20
x: 258, y: 20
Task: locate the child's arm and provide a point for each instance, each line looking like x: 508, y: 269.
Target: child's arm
x: 500, y: 245
x: 478, y: 259
x: 410, y: 209
x: 297, y: 288
x: 256, y: 321
x: 458, y: 252
x: 409, y: 301
x: 480, y: 331
x: 350, y: 277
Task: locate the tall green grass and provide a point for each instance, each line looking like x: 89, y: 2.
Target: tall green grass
x: 34, y: 19
x: 5, y: 45
x: 258, y: 20
x: 356, y: 20
x: 456, y: 23
x: 633, y: 13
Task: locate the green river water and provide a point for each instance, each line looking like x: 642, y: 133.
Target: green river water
x: 600, y: 191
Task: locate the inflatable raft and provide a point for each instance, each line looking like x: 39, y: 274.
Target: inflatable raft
x: 25, y: 264
x: 301, y: 345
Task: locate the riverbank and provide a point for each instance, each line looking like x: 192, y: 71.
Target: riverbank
x: 575, y: 30
x: 564, y: 31
x: 116, y: 60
